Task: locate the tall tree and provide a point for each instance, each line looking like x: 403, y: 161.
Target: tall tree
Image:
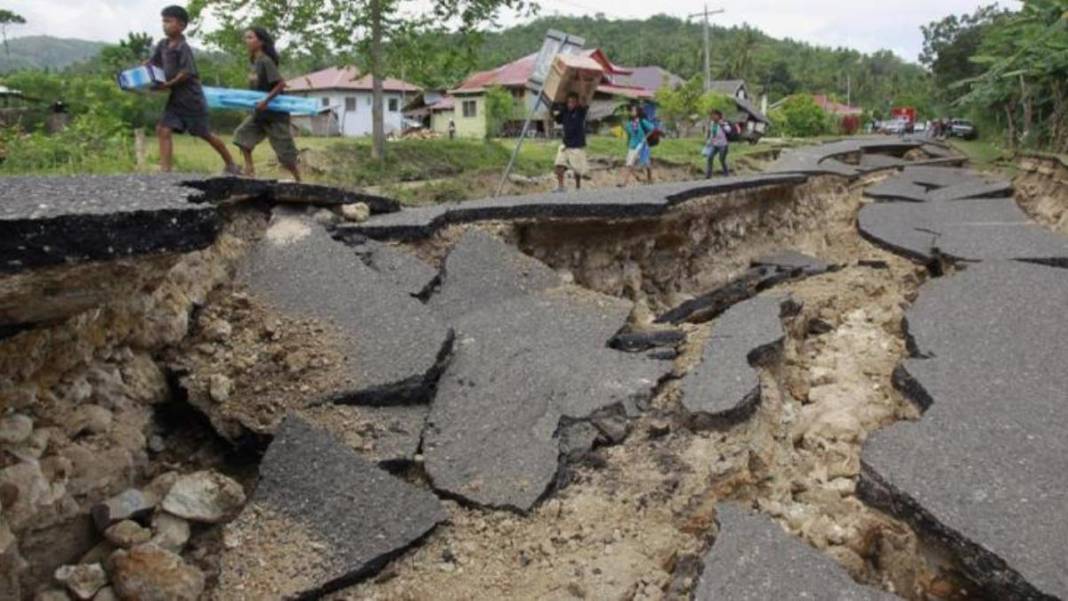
x: 1024, y: 62
x: 357, y: 30
x: 9, y: 18
x: 950, y: 44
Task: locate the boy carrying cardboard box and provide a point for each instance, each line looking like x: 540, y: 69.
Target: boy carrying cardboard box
x: 187, y: 109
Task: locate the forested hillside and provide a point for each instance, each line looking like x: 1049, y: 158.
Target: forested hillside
x: 46, y: 52
x: 779, y: 67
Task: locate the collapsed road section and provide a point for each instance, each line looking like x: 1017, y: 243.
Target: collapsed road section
x: 684, y: 391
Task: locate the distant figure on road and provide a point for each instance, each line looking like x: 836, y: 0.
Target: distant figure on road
x: 263, y: 122
x: 187, y: 109
x: 572, y: 153
x: 638, y: 130
x: 717, y: 143
x: 452, y: 129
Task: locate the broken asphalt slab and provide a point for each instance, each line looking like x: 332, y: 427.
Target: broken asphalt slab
x: 826, y: 159
x: 481, y: 270
x: 335, y: 517
x: 985, y: 469
x: 527, y: 357
x: 764, y: 273
x: 926, y: 184
x: 47, y: 221
x: 392, y: 343
x: 519, y: 366
x: 788, y: 260
x: 725, y: 387
x: 754, y: 559
x: 219, y: 189
x: 607, y: 203
x: 403, y: 269
x: 972, y: 230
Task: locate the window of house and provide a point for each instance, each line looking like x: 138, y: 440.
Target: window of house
x: 393, y: 105
x: 324, y: 101
x: 368, y: 100
x: 470, y: 108
x: 350, y: 103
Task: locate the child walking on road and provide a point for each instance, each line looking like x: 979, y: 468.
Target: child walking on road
x: 638, y: 129
x: 187, y: 109
x: 717, y: 143
x: 263, y: 122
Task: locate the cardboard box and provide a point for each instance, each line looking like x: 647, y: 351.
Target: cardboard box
x: 570, y: 73
x: 141, y: 78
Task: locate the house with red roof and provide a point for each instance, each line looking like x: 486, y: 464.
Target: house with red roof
x: 466, y: 106
x: 836, y: 108
x: 345, y: 97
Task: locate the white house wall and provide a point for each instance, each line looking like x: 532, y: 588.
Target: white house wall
x: 358, y: 122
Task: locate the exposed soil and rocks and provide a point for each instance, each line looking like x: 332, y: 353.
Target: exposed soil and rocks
x: 668, y: 398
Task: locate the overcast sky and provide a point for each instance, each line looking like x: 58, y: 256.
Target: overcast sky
x: 866, y: 25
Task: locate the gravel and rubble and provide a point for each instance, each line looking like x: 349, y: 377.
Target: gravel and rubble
x: 496, y: 411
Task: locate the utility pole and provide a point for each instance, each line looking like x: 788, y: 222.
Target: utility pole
x: 849, y: 90
x: 708, y: 64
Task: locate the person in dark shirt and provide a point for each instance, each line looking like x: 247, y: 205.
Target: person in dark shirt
x: 572, y: 153
x: 263, y: 122
x: 187, y: 109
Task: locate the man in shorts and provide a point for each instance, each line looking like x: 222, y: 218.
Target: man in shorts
x: 572, y: 153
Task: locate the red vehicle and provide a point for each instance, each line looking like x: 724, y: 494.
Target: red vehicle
x: 904, y: 113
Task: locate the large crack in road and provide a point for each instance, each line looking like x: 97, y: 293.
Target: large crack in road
x: 672, y: 394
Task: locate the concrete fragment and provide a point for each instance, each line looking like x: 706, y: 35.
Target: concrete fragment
x: 392, y: 343
x: 518, y: 368
x: 220, y: 388
x: 92, y: 419
x: 15, y: 428
x: 754, y: 559
x: 977, y: 229
x: 169, y: 532
x: 356, y: 515
x: 725, y: 386
x: 127, y: 533
x: 204, y: 496
x: 356, y: 212
x: 63, y: 220
x: 403, y: 269
x: 482, y: 270
x: 129, y: 504
x: 83, y: 580
x: 984, y: 468
x: 149, y: 572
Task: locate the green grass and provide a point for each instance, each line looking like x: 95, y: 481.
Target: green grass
x: 982, y: 153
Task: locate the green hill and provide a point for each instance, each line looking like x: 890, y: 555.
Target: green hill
x: 778, y: 67
x: 46, y: 52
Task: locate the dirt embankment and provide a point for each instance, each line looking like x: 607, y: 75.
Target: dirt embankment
x: 1042, y: 189
x: 634, y: 520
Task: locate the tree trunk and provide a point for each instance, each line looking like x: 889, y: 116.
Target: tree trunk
x: 378, y: 130
x: 1010, y: 126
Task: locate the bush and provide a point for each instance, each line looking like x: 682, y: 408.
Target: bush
x: 91, y: 143
x: 800, y: 117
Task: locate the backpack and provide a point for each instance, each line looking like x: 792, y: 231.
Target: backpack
x: 733, y: 135
x: 654, y: 137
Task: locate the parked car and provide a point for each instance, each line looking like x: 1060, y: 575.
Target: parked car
x: 896, y: 127
x: 962, y: 128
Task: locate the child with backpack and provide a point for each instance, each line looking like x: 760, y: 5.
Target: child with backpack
x: 717, y: 143
x: 639, y: 131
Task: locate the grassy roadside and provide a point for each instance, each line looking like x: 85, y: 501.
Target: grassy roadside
x: 984, y: 154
